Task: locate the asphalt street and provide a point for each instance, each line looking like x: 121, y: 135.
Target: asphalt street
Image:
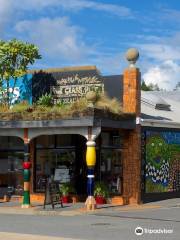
x: 106, y: 224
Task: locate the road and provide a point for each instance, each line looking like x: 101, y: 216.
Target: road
x: 106, y: 224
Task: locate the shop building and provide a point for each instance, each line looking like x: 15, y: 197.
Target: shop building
x: 117, y: 149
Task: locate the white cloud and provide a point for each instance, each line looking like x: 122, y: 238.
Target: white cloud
x: 5, y: 13
x: 71, y: 5
x: 160, y: 60
x: 166, y: 75
x: 57, y: 38
x: 160, y: 51
x: 54, y: 35
x: 76, y: 5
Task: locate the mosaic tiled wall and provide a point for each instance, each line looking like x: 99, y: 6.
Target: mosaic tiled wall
x: 162, y: 161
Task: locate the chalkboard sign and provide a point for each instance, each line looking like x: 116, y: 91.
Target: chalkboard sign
x: 52, y: 194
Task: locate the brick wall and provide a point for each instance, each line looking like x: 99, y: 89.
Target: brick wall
x: 131, y: 90
x: 132, y: 138
x: 131, y: 166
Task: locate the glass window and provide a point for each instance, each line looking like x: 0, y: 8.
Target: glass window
x: 11, y: 172
x: 116, y: 141
x: 105, y: 139
x: 11, y: 143
x: 15, y: 143
x: 63, y: 140
x: 59, y: 164
x: 111, y: 169
x: 45, y: 141
x: 113, y: 139
x: 4, y: 142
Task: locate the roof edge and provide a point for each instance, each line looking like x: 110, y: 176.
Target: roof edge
x: 65, y: 69
x: 158, y: 123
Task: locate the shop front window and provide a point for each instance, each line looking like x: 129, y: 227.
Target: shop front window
x: 111, y: 169
x: 45, y: 142
x: 12, y: 143
x: 11, y: 170
x: 56, y: 161
x: 66, y: 140
x: 111, y: 162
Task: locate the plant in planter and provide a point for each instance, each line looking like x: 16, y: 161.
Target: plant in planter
x: 101, y: 192
x: 66, y: 189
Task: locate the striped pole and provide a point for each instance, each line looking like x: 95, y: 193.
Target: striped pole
x: 26, y: 173
x: 90, y: 161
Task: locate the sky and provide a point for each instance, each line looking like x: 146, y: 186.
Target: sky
x: 99, y: 32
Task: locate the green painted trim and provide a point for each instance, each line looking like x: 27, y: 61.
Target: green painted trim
x: 26, y: 175
x: 26, y: 198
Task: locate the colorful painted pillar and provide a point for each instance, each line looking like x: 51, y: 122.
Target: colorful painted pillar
x: 91, y: 162
x: 26, y: 171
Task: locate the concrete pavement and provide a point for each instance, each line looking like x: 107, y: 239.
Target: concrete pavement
x: 17, y: 236
x: 117, y: 222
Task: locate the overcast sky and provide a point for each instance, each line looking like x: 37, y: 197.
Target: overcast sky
x: 98, y: 32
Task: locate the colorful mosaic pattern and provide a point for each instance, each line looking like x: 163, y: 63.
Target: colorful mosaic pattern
x: 162, y: 161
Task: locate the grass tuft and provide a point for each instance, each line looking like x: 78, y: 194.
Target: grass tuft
x: 20, y: 107
x: 58, y: 111
x: 105, y: 102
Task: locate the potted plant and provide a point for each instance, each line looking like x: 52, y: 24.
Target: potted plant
x: 100, y: 192
x: 66, y: 189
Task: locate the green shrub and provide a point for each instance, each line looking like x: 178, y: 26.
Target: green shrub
x: 45, y: 100
x: 60, y: 104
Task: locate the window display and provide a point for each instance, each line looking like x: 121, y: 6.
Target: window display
x: 11, y: 171
x: 111, y: 169
x: 64, y: 161
x: 58, y: 164
x: 111, y: 161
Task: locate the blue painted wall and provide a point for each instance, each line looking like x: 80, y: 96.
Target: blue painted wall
x: 23, y: 88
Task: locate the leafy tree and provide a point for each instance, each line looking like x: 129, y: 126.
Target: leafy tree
x: 144, y: 87
x: 150, y: 87
x: 15, y: 56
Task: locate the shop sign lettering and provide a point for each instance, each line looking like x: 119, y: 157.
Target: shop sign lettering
x: 70, y: 89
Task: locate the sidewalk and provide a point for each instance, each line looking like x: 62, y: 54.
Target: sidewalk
x: 37, y: 209
x: 79, y: 208
x: 19, y: 236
